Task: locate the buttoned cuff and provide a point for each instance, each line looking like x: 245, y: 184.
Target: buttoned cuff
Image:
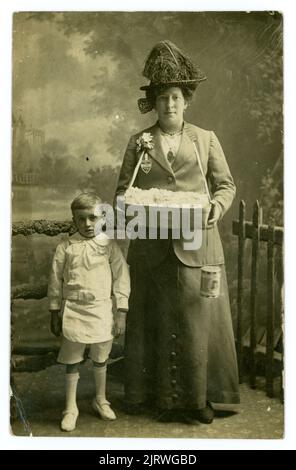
x: 122, y: 303
x: 54, y: 304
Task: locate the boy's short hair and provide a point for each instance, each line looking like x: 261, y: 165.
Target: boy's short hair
x: 85, y: 201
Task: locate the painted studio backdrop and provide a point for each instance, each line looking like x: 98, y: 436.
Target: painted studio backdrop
x: 76, y: 80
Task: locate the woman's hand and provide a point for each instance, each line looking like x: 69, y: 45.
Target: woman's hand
x: 215, y: 214
x: 119, y: 323
x: 55, y: 323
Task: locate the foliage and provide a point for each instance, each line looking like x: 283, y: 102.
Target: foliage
x: 102, y: 180
x: 55, y: 165
x: 265, y: 102
x: 272, y: 199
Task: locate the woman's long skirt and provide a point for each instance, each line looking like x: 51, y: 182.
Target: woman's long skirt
x: 180, y: 348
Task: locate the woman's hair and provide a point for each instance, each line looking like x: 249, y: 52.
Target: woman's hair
x: 153, y: 92
x: 85, y: 201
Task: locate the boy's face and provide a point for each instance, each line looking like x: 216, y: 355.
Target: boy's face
x: 89, y: 221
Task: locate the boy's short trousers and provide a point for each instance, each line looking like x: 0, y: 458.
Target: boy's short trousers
x: 72, y: 353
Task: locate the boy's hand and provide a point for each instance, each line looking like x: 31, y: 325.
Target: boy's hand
x: 119, y: 323
x: 55, y: 323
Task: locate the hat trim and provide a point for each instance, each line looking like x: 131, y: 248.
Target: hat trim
x: 173, y: 82
x: 144, y: 105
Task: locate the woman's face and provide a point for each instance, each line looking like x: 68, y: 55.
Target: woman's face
x: 170, y: 106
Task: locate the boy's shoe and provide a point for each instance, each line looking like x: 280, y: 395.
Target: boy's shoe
x: 104, y: 410
x: 69, y: 420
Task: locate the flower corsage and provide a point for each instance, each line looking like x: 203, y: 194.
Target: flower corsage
x: 145, y: 142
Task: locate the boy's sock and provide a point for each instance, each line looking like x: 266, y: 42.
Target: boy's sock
x: 71, y: 388
x: 70, y: 414
x: 100, y: 404
x: 100, y: 382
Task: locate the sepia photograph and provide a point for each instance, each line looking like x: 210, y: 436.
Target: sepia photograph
x: 147, y: 243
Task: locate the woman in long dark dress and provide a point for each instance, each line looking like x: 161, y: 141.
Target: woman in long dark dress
x: 180, y: 351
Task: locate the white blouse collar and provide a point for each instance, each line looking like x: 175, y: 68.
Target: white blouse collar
x: 101, y: 239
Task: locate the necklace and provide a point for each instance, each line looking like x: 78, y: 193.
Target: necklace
x: 173, y: 143
x: 170, y: 133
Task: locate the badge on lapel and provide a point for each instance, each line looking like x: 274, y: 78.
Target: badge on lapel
x: 146, y: 164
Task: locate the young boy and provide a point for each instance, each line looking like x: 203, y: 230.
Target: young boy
x: 86, y: 269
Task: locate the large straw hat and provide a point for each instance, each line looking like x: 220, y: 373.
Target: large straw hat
x: 167, y: 65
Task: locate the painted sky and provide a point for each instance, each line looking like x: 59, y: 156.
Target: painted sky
x: 53, y: 80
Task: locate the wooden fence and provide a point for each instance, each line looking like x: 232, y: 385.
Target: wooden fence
x: 273, y: 237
